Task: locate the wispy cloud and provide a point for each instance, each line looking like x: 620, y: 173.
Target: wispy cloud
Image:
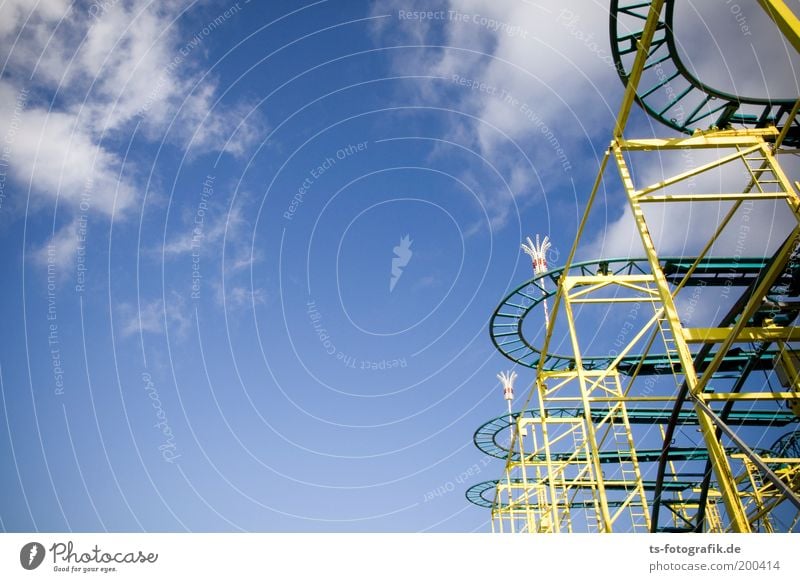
x: 155, y: 316
x: 540, y: 77
x: 60, y: 248
x: 505, y: 66
x: 682, y: 229
x: 216, y: 223
x: 239, y: 297
x: 222, y: 228
x: 93, y: 73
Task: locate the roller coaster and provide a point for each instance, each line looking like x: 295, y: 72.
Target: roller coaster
x: 667, y: 389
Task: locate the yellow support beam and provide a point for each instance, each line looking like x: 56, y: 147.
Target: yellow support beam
x: 753, y: 304
x: 737, y: 155
x: 785, y: 19
x: 718, y: 139
x: 749, y: 396
x: 786, y: 126
x: 716, y: 452
x: 714, y: 335
x: 545, y: 490
x: 714, y: 197
x: 643, y: 47
x: 605, y: 515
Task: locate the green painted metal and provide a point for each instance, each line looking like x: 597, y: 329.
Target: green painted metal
x: 507, y: 324
x: 492, y: 436
x: 475, y: 494
x: 671, y: 93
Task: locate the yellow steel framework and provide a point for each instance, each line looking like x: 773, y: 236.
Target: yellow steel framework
x: 585, y: 471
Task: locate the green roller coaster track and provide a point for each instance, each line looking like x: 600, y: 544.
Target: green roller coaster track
x: 507, y: 323
x: 648, y: 60
x: 672, y: 94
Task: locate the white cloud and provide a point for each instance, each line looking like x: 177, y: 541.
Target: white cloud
x: 242, y: 258
x: 683, y: 229
x: 60, y: 248
x: 216, y: 222
x: 152, y: 316
x: 52, y: 152
x: 544, y: 56
x: 540, y: 84
x: 221, y: 227
x: 14, y: 12
x: 232, y: 129
x: 385, y: 29
x: 238, y: 297
x: 735, y: 47
x: 95, y: 71
x: 554, y: 62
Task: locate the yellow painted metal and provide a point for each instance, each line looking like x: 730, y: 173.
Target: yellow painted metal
x: 759, y: 496
x: 554, y: 480
x: 541, y: 498
x: 736, y: 396
x: 706, y: 335
x: 539, y: 488
x: 599, y: 392
x: 713, y: 197
x: 716, y: 452
x: 594, y: 449
x: 788, y: 362
x: 785, y: 19
x: 623, y: 398
x: 683, y: 176
x: 726, y: 138
x: 786, y: 126
x: 643, y: 46
x: 750, y: 308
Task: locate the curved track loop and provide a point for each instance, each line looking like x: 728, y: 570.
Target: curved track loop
x: 508, y: 323
x: 475, y: 494
x: 670, y: 93
x: 786, y: 286
x: 788, y: 446
x: 507, y: 334
x: 489, y: 437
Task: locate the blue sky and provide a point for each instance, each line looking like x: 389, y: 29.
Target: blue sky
x: 201, y: 203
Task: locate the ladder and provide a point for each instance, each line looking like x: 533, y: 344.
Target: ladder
x: 629, y: 469
x: 761, y: 173
x: 759, y: 491
x: 670, y: 346
x: 591, y: 508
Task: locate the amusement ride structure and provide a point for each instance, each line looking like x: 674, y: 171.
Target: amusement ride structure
x: 666, y: 390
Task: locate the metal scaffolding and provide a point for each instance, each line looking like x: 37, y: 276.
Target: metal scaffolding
x: 649, y: 422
